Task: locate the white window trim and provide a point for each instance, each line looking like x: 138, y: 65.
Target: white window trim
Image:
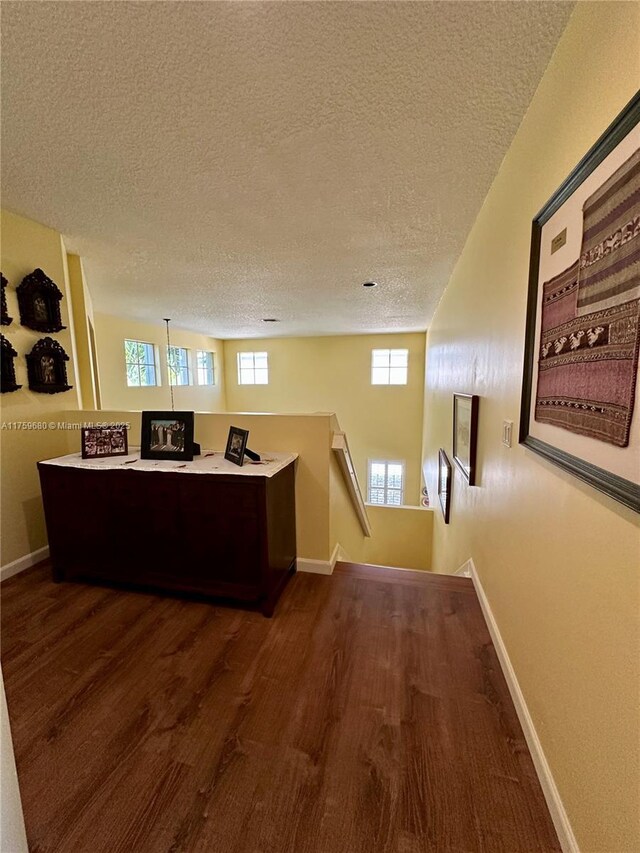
x: 252, y: 353
x: 156, y: 363
x: 189, y: 367
x: 386, y: 463
x: 389, y: 367
x: 213, y: 368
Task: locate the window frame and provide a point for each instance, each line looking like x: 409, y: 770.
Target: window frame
x: 187, y: 366
x: 386, y: 487
x: 378, y: 369
x: 245, y: 371
x: 141, y: 364
x: 199, y: 369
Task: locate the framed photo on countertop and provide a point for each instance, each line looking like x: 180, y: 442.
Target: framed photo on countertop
x: 236, y: 445
x: 100, y: 442
x: 167, y: 435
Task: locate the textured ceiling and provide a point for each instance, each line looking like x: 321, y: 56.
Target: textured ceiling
x: 218, y: 163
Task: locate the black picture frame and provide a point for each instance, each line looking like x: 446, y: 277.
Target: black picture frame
x: 236, y: 445
x: 618, y: 488
x: 102, y: 442
x: 465, y: 434
x: 167, y: 436
x: 8, y: 381
x: 39, y: 302
x: 445, y: 473
x: 46, y: 368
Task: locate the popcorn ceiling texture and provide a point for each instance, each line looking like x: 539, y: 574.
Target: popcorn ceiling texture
x: 222, y: 162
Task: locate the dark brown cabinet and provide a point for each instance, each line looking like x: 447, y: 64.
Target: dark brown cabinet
x: 216, y: 535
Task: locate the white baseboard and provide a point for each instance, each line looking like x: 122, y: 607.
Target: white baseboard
x: 23, y: 563
x: 319, y: 567
x: 316, y: 567
x: 551, y: 794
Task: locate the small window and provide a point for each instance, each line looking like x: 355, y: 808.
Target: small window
x: 253, y: 368
x: 140, y: 361
x: 205, y: 368
x: 178, y: 363
x: 386, y: 482
x: 389, y: 366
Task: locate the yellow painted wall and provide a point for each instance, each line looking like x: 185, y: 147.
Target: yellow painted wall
x: 111, y: 332
x: 400, y: 536
x: 559, y: 562
x: 26, y: 245
x: 333, y: 374
x: 307, y: 435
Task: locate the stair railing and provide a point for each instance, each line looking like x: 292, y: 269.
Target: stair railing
x: 340, y: 446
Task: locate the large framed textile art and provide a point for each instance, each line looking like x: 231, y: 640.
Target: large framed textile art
x: 579, y: 391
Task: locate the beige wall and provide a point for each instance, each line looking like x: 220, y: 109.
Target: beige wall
x: 25, y: 246
x: 559, y: 562
x: 111, y: 332
x: 400, y: 536
x: 333, y: 374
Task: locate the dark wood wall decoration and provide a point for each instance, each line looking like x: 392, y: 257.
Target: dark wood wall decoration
x: 46, y: 367
x: 8, y: 372
x: 5, y: 319
x: 39, y: 302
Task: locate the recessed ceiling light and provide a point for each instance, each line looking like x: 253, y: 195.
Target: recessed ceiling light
x: 370, y: 284
x: 270, y: 320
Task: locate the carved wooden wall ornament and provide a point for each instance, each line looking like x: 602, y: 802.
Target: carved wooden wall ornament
x: 8, y: 372
x: 5, y: 319
x: 46, y: 367
x: 39, y: 303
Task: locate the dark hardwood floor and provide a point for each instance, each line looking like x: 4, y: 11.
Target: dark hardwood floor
x: 369, y: 715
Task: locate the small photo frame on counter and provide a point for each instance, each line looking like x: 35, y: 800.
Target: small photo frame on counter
x: 100, y: 442
x: 236, y: 445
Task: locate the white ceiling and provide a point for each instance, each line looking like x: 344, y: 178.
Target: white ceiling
x: 218, y: 163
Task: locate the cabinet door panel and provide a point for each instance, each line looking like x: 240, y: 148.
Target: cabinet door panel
x: 76, y: 509
x: 221, y: 522
x: 145, y: 525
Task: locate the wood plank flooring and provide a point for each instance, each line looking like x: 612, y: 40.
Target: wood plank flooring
x: 369, y: 715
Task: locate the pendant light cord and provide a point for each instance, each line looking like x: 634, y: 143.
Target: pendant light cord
x: 167, y: 321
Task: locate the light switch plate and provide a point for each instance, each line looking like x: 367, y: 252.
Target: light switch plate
x: 507, y: 432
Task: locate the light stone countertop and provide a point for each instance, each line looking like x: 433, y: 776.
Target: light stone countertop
x: 210, y: 462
